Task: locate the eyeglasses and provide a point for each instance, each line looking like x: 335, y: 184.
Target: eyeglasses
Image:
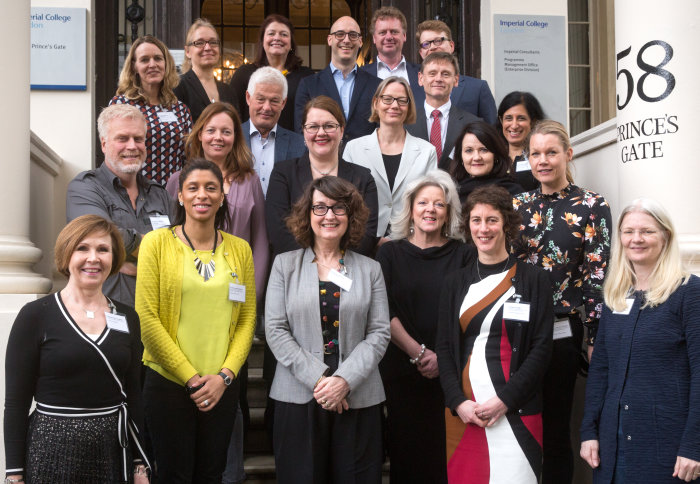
x: 437, y: 42
x: 643, y: 233
x: 321, y: 210
x: 201, y: 43
x: 327, y: 128
x: 389, y: 100
x: 340, y: 35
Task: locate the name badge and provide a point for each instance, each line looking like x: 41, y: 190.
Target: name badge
x: 167, y: 117
x: 236, y: 292
x: 159, y: 221
x: 344, y: 282
x: 117, y: 322
x: 562, y: 329
x: 629, y: 303
x: 516, y: 311
x: 523, y: 165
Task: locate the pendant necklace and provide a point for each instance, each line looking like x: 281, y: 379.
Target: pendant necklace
x: 322, y: 173
x: 479, y: 272
x: 341, y: 263
x: 204, y: 270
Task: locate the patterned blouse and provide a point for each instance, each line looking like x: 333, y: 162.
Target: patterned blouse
x: 568, y: 234
x: 167, y: 129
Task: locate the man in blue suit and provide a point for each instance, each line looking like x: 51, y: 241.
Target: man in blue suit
x: 471, y: 95
x: 342, y: 81
x: 388, y: 29
x: 266, y: 96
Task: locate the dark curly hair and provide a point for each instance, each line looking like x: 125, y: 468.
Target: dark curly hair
x: 342, y: 191
x: 501, y: 200
x: 489, y: 137
x: 293, y: 60
x: 221, y: 218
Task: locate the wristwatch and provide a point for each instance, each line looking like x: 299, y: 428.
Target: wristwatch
x: 9, y: 480
x: 227, y: 379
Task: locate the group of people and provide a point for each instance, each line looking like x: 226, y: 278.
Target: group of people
x: 420, y: 265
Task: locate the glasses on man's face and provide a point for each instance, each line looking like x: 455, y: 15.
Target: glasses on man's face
x: 201, y: 43
x: 321, y: 210
x: 437, y: 42
x: 328, y: 128
x: 340, y: 35
x: 389, y: 100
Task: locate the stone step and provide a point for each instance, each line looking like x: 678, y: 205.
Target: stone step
x: 256, y: 389
x: 260, y: 469
x: 257, y: 441
x: 257, y: 352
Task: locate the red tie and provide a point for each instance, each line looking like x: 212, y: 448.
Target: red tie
x: 436, y: 133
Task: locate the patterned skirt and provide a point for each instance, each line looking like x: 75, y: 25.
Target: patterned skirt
x: 76, y: 450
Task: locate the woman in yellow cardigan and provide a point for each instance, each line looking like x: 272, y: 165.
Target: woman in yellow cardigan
x: 195, y: 295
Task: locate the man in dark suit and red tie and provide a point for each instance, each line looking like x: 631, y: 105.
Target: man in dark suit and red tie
x: 342, y: 81
x: 438, y: 119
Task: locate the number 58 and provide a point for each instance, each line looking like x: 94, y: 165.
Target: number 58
x: 648, y: 69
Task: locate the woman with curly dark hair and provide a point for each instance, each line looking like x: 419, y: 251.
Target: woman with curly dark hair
x: 493, y: 345
x: 327, y: 323
x: 276, y: 48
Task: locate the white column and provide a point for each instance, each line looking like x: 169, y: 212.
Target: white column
x: 17, y: 253
x: 657, y: 108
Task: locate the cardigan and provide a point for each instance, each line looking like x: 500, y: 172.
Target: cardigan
x: 645, y: 376
x: 246, y: 219
x: 531, y: 340
x: 191, y: 92
x: 293, y: 328
x: 50, y: 359
x: 158, y: 293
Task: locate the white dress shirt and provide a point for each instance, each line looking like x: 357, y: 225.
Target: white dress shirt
x: 445, y: 111
x: 263, y: 150
x: 384, y: 71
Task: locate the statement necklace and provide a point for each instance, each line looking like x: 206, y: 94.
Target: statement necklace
x: 341, y: 263
x: 479, y: 272
x: 204, y: 270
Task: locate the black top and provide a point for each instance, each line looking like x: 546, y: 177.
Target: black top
x: 471, y: 183
x: 391, y: 165
x: 288, y: 180
x: 524, y: 178
x: 534, y: 338
x: 50, y: 359
x: 329, y: 301
x: 239, y: 85
x: 414, y: 278
x: 191, y: 92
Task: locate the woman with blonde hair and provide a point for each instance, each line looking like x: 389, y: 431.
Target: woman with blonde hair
x: 566, y: 231
x: 147, y: 81
x: 644, y: 378
x: 198, y: 86
x: 426, y: 244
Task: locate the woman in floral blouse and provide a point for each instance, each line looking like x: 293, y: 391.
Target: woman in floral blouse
x: 565, y: 231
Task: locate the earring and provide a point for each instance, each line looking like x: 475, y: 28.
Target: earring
x: 221, y: 204
x: 181, y: 204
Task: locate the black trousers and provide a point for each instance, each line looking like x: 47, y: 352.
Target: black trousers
x: 189, y: 445
x: 314, y: 446
x: 557, y: 402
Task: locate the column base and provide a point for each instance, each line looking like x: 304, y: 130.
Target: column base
x: 17, y: 256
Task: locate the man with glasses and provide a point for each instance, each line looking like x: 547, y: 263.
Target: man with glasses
x: 342, y: 81
x: 388, y: 29
x: 439, y: 121
x: 266, y: 97
x: 471, y: 94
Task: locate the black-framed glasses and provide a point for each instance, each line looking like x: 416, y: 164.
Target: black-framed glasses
x: 201, y: 43
x: 327, y: 128
x: 389, y: 100
x: 437, y: 42
x: 340, y: 35
x: 337, y: 209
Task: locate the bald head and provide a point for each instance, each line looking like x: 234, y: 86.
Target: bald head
x: 344, y: 49
x: 346, y: 24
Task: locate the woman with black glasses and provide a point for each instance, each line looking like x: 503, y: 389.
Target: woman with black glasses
x: 394, y: 157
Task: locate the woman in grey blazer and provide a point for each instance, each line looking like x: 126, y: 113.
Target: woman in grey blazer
x: 327, y: 323
x: 394, y: 157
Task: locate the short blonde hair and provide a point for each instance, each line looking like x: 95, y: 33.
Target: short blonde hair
x: 669, y: 272
x: 80, y: 228
x: 402, y: 223
x: 130, y: 84
x: 410, y: 114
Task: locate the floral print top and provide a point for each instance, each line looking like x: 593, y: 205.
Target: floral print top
x: 568, y: 234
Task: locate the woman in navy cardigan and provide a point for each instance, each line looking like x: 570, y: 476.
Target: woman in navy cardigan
x: 639, y: 424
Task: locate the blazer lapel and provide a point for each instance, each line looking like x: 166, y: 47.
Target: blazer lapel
x: 197, y: 87
x: 410, y: 153
x: 329, y: 85
x: 373, y: 154
x: 360, y: 85
x: 246, y: 132
x: 421, y: 130
x: 281, y: 145
x: 454, y: 125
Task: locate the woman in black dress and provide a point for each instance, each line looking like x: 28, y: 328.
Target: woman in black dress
x: 481, y: 158
x: 427, y: 243
x: 277, y: 48
x: 78, y: 355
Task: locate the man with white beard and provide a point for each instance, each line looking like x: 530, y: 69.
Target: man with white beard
x: 117, y: 191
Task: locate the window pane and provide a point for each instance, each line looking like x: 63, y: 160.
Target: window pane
x: 578, y: 10
x: 578, y: 44
x: 320, y: 54
x: 579, y: 121
x: 254, y: 13
x: 579, y: 87
x: 211, y: 9
x: 233, y: 12
x: 299, y: 14
x: 320, y: 13
x: 302, y: 39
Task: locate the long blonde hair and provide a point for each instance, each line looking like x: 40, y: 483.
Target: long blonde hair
x: 669, y: 272
x: 548, y: 126
x: 130, y: 83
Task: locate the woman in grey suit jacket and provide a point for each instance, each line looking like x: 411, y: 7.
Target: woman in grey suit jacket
x: 327, y: 323
x: 393, y: 155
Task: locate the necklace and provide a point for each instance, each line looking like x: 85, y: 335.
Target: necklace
x: 322, y: 173
x: 341, y: 263
x: 204, y: 270
x: 479, y: 272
